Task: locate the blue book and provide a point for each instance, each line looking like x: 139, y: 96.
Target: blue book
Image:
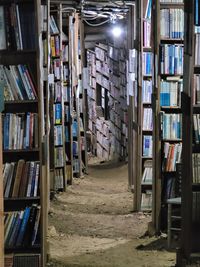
x: 75, y: 129
x: 16, y: 229
x: 6, y: 131
x: 27, y: 136
x: 58, y: 113
x: 23, y: 227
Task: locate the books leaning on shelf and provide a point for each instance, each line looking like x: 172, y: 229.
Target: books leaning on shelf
x: 148, y: 9
x: 18, y: 83
x: 148, y: 172
x: 171, y: 126
x: 53, y: 26
x: 172, y: 155
x: 196, y: 167
x: 172, y: 23
x: 21, y: 179
x: 20, y: 131
x: 170, y: 93
x: 22, y: 227
x: 171, y: 59
x: 147, y: 146
x: 17, y: 26
x: 147, y: 119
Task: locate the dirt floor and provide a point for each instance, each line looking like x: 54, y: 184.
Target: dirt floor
x: 92, y: 225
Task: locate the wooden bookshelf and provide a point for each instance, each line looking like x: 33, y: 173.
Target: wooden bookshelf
x: 106, y: 102
x: 145, y: 122
x: 164, y: 77
x: 188, y: 248
x: 24, y: 103
x: 1, y: 203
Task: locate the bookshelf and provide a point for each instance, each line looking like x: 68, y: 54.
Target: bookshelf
x: 106, y: 95
x: 188, y: 248
x: 56, y: 88
x: 167, y: 88
x: 24, y: 172
x: 145, y: 118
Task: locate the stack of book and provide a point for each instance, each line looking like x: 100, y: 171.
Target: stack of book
x: 196, y: 168
x: 171, y: 59
x: 21, y: 227
x: 147, y: 146
x: 172, y: 23
x: 147, y: 119
x: 170, y: 93
x: 20, y: 131
x: 21, y: 179
x: 171, y: 126
x: 18, y: 83
x: 172, y: 156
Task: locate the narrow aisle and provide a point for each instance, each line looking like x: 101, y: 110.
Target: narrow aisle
x: 92, y: 224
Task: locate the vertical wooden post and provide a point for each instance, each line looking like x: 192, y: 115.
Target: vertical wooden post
x: 187, y: 128
x: 1, y: 201
x: 156, y: 189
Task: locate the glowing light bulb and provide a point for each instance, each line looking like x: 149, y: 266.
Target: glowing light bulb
x: 117, y: 31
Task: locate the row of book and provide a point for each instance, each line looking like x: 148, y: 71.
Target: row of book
x: 196, y: 167
x: 146, y: 201
x: 17, y: 82
x: 197, y: 49
x: 147, y: 173
x: 170, y: 93
x: 171, y: 126
x: 57, y: 113
x: 146, y: 91
x: 58, y: 135
x: 147, y: 119
x: 196, y: 94
x: 58, y: 179
x: 147, y: 58
x: 196, y: 126
x: 147, y: 34
x: 21, y: 179
x: 171, y: 59
x: 58, y: 157
x: 55, y: 46
x: 20, y: 131
x: 17, y: 26
x: 172, y: 23
x: 55, y: 68
x: 172, y: 156
x: 22, y: 227
x: 147, y: 145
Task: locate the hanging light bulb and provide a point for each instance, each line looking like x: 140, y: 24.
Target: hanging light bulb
x: 116, y: 31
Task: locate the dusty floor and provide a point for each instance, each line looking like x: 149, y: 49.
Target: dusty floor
x: 92, y: 225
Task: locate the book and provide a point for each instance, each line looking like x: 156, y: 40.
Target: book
x: 147, y: 145
x: 18, y: 177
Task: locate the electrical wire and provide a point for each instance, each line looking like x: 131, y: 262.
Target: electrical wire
x: 98, y: 24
